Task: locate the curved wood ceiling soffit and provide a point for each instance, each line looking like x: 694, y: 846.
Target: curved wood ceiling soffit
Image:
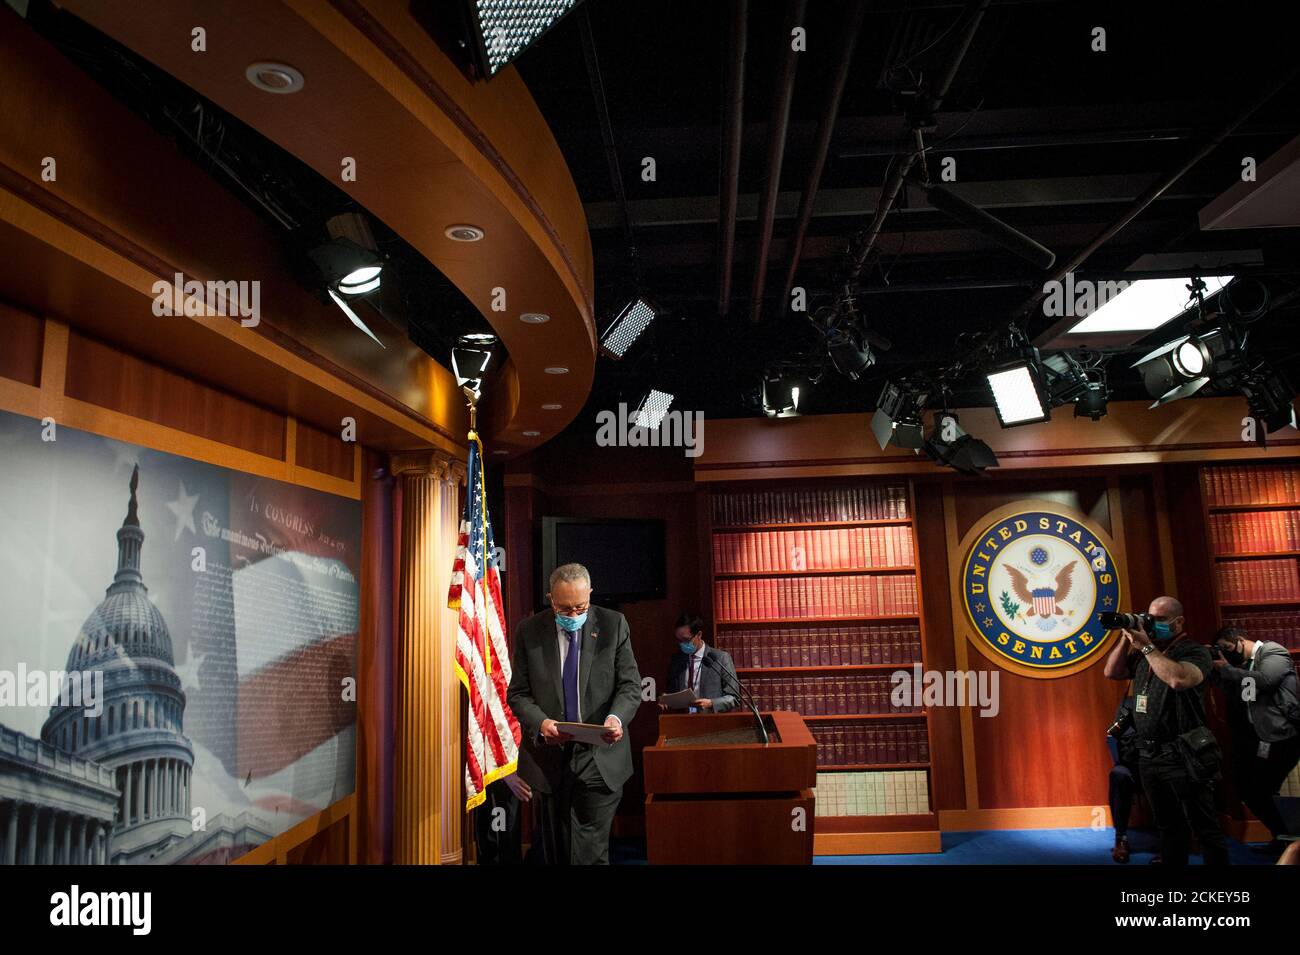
x: 431, y: 148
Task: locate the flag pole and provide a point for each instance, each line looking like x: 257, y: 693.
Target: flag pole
x: 472, y: 396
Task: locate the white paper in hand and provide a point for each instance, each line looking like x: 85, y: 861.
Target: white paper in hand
x: 679, y: 700
x: 584, y: 732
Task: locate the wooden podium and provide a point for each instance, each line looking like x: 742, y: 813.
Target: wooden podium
x: 715, y: 795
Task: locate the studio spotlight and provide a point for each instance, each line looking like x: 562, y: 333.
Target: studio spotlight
x: 950, y: 445
x: 1019, y: 393
x: 350, y: 261
x: 1270, y: 396
x: 650, y: 412
x: 1092, y: 403
x: 1182, y: 367
x: 783, y: 394
x: 627, y: 327
x: 897, y: 419
x: 850, y: 356
x: 470, y: 358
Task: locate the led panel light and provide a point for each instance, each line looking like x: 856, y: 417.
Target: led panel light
x: 1017, y: 396
x: 653, y: 408
x: 1146, y: 304
x: 505, y: 28
x: 627, y: 328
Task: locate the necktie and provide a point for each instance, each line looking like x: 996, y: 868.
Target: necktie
x: 691, y: 683
x: 571, y: 679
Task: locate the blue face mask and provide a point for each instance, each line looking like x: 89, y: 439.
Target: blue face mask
x: 1160, y: 630
x: 572, y: 624
x: 687, y: 647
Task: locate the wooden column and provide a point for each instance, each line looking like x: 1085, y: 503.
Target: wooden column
x: 429, y: 804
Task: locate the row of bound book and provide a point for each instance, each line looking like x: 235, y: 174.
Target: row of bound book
x: 1254, y: 532
x: 868, y: 502
x: 1283, y: 628
x: 844, y: 744
x: 839, y: 548
x: 899, y: 792
x: 827, y: 695
x: 822, y: 646
x: 1259, y: 580
x: 792, y: 598
x: 1251, y: 484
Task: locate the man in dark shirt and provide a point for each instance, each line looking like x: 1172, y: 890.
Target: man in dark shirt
x: 1168, y: 670
x: 1261, y: 690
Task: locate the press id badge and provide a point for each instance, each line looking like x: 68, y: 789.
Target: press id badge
x: 1262, y: 752
x: 1140, y: 703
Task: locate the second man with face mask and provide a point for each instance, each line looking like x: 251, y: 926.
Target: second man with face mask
x: 708, y: 672
x: 1178, y: 757
x: 1260, y: 687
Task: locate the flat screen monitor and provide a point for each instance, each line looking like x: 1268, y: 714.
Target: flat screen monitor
x: 624, y: 556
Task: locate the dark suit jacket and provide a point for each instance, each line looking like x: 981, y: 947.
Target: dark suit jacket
x: 711, y: 682
x: 1275, y: 711
x: 608, y: 682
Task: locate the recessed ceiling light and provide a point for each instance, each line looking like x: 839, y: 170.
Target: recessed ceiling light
x: 464, y: 232
x: 532, y: 434
x: 535, y: 318
x: 552, y: 407
x: 556, y: 370
x: 274, y: 77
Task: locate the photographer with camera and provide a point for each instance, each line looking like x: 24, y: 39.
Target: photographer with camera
x: 1260, y: 686
x: 1179, y: 757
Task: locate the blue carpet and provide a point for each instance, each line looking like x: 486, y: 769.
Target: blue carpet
x: 1036, y: 847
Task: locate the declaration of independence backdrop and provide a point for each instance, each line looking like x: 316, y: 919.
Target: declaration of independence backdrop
x: 221, y: 610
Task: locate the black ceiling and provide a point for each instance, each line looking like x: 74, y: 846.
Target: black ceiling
x: 1054, y: 138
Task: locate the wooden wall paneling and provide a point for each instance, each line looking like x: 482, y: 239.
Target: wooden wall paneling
x: 961, y: 652
x: 704, y: 550
x: 49, y: 399
x: 1188, y: 517
x: 375, y: 732
x: 1045, y: 746
x: 947, y: 759
x: 1160, y: 505
x: 925, y: 635
x: 100, y: 374
x: 322, y: 451
x: 21, y: 337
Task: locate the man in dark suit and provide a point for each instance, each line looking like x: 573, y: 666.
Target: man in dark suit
x: 574, y: 663
x: 700, y: 667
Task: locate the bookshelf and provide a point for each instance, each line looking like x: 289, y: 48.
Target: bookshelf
x: 1252, y: 526
x: 816, y: 594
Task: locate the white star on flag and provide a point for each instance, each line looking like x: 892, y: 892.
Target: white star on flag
x: 183, y: 508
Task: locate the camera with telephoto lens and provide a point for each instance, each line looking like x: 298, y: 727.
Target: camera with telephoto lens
x: 1127, y: 621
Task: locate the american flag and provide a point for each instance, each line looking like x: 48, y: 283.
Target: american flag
x: 482, y: 657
